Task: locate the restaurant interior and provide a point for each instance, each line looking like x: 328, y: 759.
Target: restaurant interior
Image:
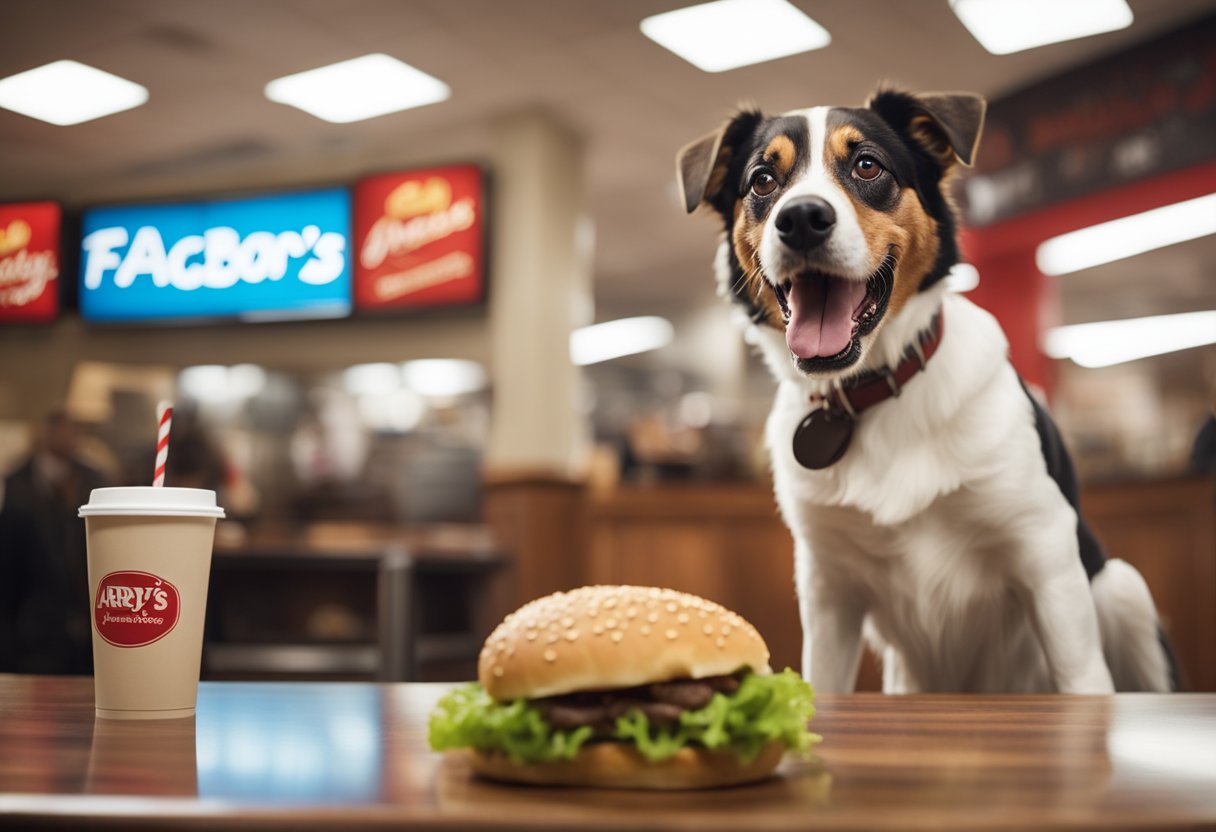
x: 543, y: 389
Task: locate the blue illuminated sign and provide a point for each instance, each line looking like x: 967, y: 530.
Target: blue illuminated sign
x: 263, y: 258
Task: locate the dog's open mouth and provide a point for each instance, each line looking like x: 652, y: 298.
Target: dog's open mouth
x: 825, y: 314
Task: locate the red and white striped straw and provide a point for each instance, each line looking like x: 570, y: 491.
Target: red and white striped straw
x: 164, y: 421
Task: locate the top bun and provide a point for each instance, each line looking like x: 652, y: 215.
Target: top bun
x: 608, y: 637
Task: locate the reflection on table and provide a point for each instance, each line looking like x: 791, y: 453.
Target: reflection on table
x: 329, y: 751
x: 354, y: 756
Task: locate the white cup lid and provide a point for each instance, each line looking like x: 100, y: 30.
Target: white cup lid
x: 146, y: 500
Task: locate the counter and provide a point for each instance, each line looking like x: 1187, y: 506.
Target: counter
x: 354, y: 756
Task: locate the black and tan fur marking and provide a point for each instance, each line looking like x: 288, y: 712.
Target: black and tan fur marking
x: 916, y: 506
x: 905, y: 212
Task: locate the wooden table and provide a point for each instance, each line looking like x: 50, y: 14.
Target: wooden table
x: 354, y: 756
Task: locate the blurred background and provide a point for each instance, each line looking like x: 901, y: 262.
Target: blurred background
x: 367, y: 248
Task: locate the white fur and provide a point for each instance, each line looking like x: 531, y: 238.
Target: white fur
x: 1128, y: 622
x: 940, y: 534
x: 845, y: 252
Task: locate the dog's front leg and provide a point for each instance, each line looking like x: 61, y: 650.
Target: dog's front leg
x: 1063, y: 610
x: 831, y: 629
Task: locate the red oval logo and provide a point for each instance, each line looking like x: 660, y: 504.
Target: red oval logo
x: 133, y: 609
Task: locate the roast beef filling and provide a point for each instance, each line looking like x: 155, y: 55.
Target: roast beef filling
x: 662, y: 702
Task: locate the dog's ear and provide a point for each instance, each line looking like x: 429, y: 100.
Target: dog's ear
x: 947, y: 124
x: 702, y: 166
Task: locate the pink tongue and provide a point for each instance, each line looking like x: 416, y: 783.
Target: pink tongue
x: 821, y: 315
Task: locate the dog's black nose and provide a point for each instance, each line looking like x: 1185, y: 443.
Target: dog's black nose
x: 805, y: 223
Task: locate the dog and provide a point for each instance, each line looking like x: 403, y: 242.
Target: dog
x: 931, y: 501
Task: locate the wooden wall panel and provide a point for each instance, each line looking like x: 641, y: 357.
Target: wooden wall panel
x: 539, y: 520
x: 727, y: 543
x: 1167, y: 530
x: 724, y: 543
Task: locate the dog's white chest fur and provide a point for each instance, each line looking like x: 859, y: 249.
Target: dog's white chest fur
x: 936, y: 589
x: 941, y: 535
x: 940, y: 432
x: 923, y: 523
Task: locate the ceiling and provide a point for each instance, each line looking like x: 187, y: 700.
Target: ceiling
x: 585, y: 61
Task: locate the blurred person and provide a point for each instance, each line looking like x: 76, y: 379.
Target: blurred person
x: 195, y: 458
x: 44, y: 604
x: 1203, y: 451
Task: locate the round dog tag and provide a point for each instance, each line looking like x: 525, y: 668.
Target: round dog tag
x: 822, y: 438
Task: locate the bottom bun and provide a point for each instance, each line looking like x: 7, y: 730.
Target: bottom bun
x: 614, y: 765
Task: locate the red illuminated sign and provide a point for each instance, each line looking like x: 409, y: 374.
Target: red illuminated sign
x: 420, y: 239
x: 29, y: 262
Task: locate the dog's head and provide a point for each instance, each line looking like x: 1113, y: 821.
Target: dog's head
x: 835, y: 217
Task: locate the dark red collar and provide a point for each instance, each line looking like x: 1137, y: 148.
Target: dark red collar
x: 876, y: 386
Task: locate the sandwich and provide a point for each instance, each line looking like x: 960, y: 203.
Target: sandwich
x: 625, y: 687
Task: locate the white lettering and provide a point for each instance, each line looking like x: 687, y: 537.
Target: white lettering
x: 216, y: 259
x: 100, y: 256
x: 182, y: 251
x: 146, y: 256
x: 451, y: 266
x: 327, y: 260
x: 133, y: 598
x: 24, y: 276
x: 392, y: 236
x: 260, y: 258
x: 109, y: 618
x: 221, y: 245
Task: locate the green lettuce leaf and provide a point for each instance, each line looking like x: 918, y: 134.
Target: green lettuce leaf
x: 772, y: 708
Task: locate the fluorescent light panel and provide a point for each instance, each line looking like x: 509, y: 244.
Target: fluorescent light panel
x: 1128, y: 236
x: 371, y: 379
x: 358, y: 89
x: 728, y: 34
x: 397, y: 411
x: 615, y: 339
x: 68, y: 92
x: 963, y: 277
x: 1105, y: 343
x: 443, y: 377
x: 1005, y: 26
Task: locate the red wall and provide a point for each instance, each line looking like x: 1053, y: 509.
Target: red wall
x: 1026, y: 301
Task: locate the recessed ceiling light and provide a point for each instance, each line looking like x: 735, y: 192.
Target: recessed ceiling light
x: 366, y: 87
x: 614, y: 339
x: 1004, y: 26
x: 728, y: 34
x: 1104, y: 343
x: 68, y: 92
x: 1128, y: 236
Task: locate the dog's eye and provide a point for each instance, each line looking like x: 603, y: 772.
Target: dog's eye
x: 763, y: 184
x: 867, y: 168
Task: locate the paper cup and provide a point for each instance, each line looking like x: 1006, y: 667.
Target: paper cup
x: 149, y: 553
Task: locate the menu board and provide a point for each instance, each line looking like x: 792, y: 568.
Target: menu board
x: 29, y: 262
x: 277, y: 257
x: 420, y: 239
x: 1145, y: 111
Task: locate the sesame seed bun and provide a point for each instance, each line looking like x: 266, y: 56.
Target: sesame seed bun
x: 614, y: 765
x: 607, y: 637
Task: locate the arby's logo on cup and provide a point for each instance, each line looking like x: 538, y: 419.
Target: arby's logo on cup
x: 133, y: 609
